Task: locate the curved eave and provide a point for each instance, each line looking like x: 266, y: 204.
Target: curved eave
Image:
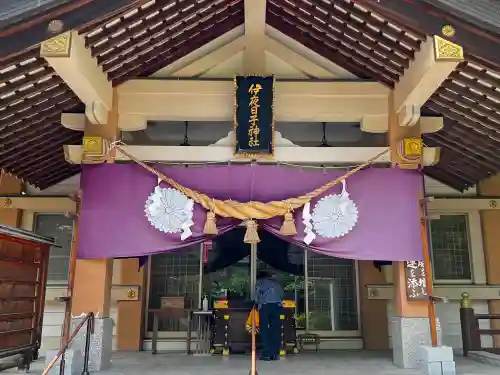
x: 32, y: 30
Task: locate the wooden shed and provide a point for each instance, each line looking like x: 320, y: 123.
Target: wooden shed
x: 23, y: 274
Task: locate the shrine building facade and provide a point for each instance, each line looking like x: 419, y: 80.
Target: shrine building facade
x: 390, y: 84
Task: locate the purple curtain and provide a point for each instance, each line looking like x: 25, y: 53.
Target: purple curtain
x: 113, y: 223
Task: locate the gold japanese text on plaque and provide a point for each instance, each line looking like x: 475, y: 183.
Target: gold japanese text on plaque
x: 253, y: 128
x: 416, y: 280
x: 254, y: 116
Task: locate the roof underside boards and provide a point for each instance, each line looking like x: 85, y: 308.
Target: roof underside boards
x: 137, y: 42
x: 162, y: 33
x: 32, y: 27
x: 482, y: 13
x: 369, y: 46
x: 134, y: 43
x: 12, y: 11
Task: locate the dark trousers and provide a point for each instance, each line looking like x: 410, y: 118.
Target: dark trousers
x: 270, y: 329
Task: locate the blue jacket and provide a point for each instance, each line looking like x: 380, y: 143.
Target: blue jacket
x: 268, y: 291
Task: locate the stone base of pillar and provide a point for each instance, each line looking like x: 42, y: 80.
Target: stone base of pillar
x: 73, y: 362
x: 436, y: 360
x: 101, y: 343
x: 408, y: 334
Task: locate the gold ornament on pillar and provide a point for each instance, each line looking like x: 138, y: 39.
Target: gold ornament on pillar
x: 410, y: 151
x: 7, y: 202
x: 95, y: 150
x: 251, y: 235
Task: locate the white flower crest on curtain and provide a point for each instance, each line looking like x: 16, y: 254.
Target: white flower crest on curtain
x: 335, y: 215
x: 170, y: 211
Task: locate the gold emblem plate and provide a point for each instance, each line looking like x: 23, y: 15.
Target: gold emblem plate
x: 58, y: 46
x: 412, y: 147
x: 93, y: 146
x: 446, y: 50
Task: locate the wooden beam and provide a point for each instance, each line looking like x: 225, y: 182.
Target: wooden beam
x: 213, y: 100
x: 30, y: 32
x: 73, y: 121
x: 210, y: 60
x: 432, y: 65
x: 255, y: 27
x: 463, y: 204
x: 399, y: 136
x: 296, y: 60
x: 178, y: 66
x: 301, y: 49
x: 38, y: 203
x: 225, y: 153
x: 67, y: 55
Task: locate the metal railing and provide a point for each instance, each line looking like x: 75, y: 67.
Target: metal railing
x: 89, y: 319
x: 471, y: 333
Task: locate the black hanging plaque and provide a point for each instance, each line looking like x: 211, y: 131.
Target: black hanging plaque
x: 416, y: 281
x: 254, y: 116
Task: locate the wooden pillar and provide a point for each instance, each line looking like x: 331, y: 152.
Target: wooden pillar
x: 404, y: 307
x: 92, y: 291
x: 397, y: 134
x: 93, y: 277
x: 410, y: 325
x: 130, y: 315
x: 9, y: 185
x: 375, y: 335
x: 490, y: 222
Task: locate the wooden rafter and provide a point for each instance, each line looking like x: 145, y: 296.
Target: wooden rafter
x: 371, y: 39
x: 418, y: 15
x: 135, y: 45
x: 30, y: 32
x: 157, y: 58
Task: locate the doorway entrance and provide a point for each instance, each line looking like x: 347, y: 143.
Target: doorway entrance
x: 324, y: 289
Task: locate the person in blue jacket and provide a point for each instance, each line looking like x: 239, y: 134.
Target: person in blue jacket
x: 269, y: 301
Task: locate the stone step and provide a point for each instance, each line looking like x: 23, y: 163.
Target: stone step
x: 486, y: 357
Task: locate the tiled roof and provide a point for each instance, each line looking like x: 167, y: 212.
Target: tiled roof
x: 149, y: 35
x: 10, y: 10
x: 370, y: 46
x: 133, y: 43
x: 482, y: 13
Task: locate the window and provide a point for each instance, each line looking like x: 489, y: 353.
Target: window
x: 174, y: 274
x: 332, y: 293
x: 60, y: 228
x: 450, y: 248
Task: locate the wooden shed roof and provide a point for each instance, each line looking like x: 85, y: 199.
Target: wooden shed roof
x: 371, y: 39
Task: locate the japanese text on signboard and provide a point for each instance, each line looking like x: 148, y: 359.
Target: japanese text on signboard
x: 416, y: 280
x: 253, y: 129
x: 254, y: 117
